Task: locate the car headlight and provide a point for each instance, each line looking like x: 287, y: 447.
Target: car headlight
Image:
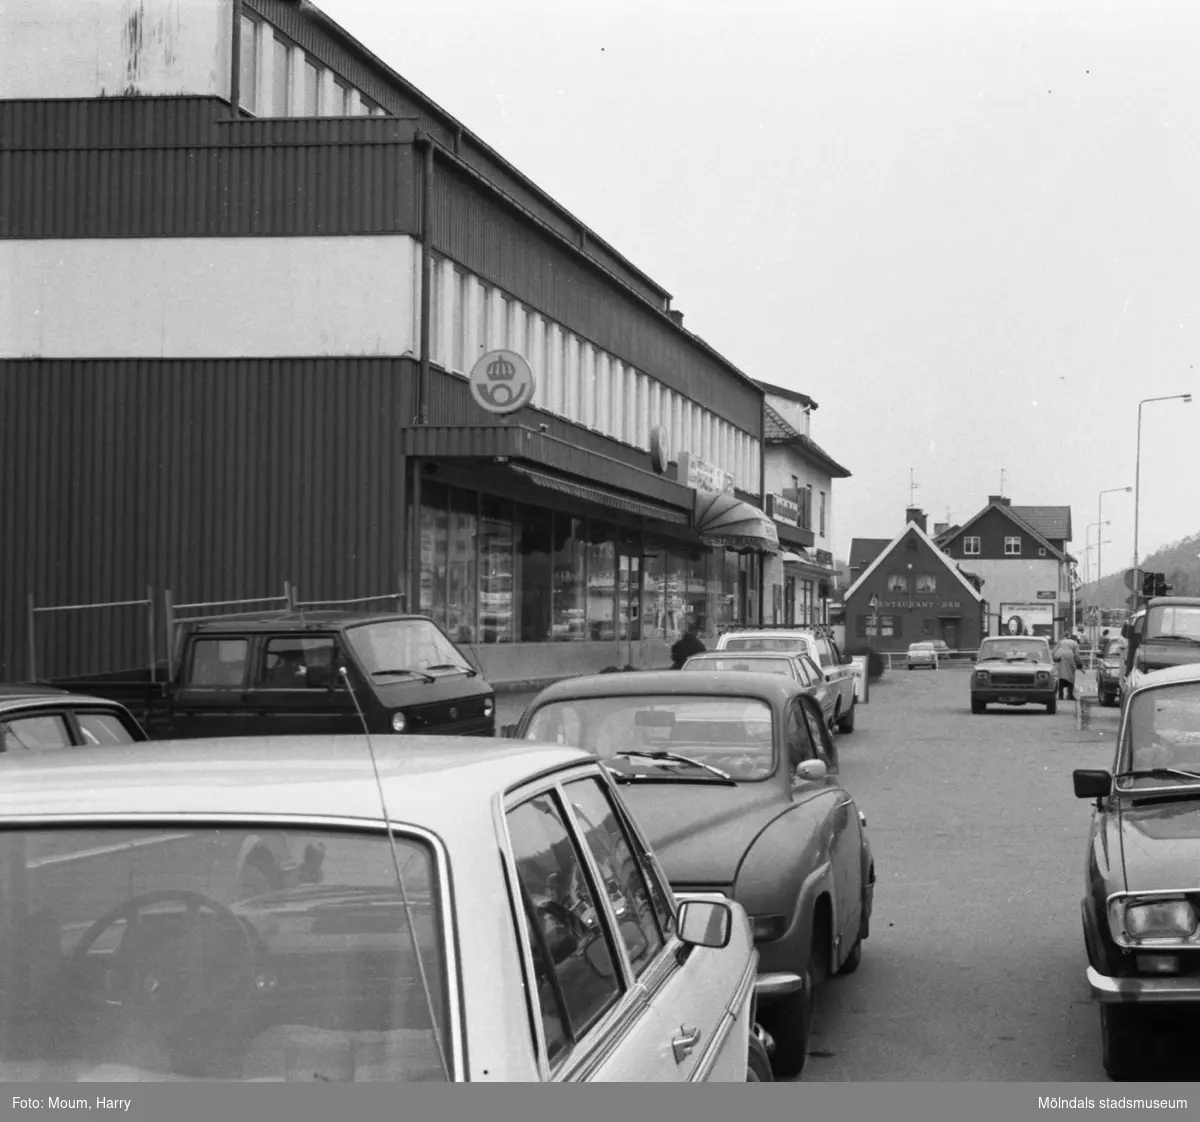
x: 1043, y: 675
x: 489, y: 706
x: 981, y: 675
x: 1155, y: 920
x: 399, y: 722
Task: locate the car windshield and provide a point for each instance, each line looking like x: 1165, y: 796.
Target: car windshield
x: 403, y: 644
x: 734, y: 734
x: 766, y: 643
x: 171, y: 954
x: 1173, y: 621
x: 765, y: 665
x: 1015, y: 649
x: 1163, y: 728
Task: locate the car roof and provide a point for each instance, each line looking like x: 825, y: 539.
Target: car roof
x: 1187, y: 672
x: 28, y: 689
x: 643, y: 683
x: 1190, y: 601
x: 432, y: 781
x: 298, y: 621
x: 54, y: 699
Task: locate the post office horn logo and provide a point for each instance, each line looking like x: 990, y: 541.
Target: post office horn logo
x: 502, y: 382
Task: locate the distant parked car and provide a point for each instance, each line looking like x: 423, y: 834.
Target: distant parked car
x: 733, y: 777
x: 1108, y: 671
x: 798, y: 667
x: 39, y: 718
x: 1014, y: 670
x: 922, y: 654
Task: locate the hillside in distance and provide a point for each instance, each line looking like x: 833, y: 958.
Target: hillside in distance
x: 1180, y: 562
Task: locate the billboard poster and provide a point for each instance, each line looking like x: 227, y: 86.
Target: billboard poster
x: 1027, y: 619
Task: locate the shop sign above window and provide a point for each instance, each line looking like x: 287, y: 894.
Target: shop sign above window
x: 703, y: 476
x: 783, y: 509
x: 502, y: 382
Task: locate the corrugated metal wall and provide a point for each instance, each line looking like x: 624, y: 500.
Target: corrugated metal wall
x: 218, y: 480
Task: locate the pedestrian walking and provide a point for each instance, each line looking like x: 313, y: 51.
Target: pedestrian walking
x: 683, y: 649
x: 1066, y: 663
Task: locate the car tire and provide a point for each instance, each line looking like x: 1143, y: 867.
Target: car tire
x: 1125, y: 1044
x: 1052, y: 707
x: 853, y: 959
x: 846, y: 723
x: 789, y: 1021
x: 978, y: 706
x: 758, y: 1063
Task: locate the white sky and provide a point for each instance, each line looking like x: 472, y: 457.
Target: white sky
x: 971, y: 231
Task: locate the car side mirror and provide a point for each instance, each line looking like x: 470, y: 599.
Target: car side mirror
x: 705, y: 923
x: 810, y: 770
x: 1091, y: 784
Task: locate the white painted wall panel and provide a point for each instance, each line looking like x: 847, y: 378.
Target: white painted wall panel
x: 98, y: 48
x: 207, y: 297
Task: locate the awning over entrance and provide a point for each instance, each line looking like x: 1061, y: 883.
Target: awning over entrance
x: 602, y: 497
x: 795, y: 538
x: 722, y: 520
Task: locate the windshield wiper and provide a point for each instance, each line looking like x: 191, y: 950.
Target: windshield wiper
x: 467, y: 670
x: 1158, y: 773
x: 405, y: 670
x: 674, y: 757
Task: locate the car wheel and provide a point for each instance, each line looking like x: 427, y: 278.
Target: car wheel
x: 758, y: 1063
x: 853, y: 959
x: 978, y: 706
x: 846, y: 724
x: 1125, y: 1043
x: 789, y: 1021
x: 1052, y: 707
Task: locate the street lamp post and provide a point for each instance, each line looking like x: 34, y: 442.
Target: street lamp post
x: 1087, y: 537
x: 1137, y: 475
x: 1100, y: 514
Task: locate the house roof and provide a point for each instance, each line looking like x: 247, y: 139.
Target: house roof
x: 1011, y: 514
x: 776, y: 430
x: 790, y: 395
x: 1052, y: 522
x: 864, y: 550
x: 948, y: 562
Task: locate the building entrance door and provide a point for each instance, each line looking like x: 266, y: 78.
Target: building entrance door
x: 950, y: 633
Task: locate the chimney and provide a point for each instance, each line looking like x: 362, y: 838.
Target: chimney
x: 939, y: 528
x: 915, y: 514
x: 676, y: 318
x: 999, y: 499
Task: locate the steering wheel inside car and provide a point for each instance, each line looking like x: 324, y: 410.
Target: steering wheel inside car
x: 189, y: 987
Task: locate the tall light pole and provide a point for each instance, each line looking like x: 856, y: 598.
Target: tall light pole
x: 1087, y: 537
x: 1100, y: 514
x: 1137, y: 475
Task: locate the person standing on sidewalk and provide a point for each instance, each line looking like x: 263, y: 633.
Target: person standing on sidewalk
x: 1066, y: 663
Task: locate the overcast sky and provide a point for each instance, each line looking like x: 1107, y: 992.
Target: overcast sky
x: 970, y: 231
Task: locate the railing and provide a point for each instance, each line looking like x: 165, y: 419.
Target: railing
x: 35, y: 610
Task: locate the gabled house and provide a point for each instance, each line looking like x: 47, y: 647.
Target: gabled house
x: 1021, y: 552
x: 798, y: 477
x: 911, y: 590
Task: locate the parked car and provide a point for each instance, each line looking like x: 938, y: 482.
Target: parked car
x: 276, y: 674
x: 922, y: 654
x: 798, y: 667
x: 511, y: 926
x: 1141, y: 922
x: 1014, y: 670
x: 1164, y: 633
x: 34, y: 719
x: 836, y: 668
x: 734, y: 779
x: 1108, y: 671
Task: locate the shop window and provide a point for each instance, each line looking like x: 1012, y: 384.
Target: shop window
x: 312, y: 88
x: 496, y: 556
x: 729, y: 590
x: 570, y: 588
x: 248, y: 73
x: 789, y: 601
x: 281, y: 79
x: 461, y: 582
x: 655, y: 592
x: 926, y: 582
x: 696, y: 607
x: 676, y: 596
x: 435, y: 526
x: 534, y: 572
x: 601, y: 580
x: 629, y: 592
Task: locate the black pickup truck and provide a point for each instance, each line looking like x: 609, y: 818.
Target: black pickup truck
x: 279, y: 674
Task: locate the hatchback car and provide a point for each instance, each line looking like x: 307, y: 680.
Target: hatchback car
x: 39, y: 718
x: 1016, y: 670
x: 1141, y: 906
x: 799, y: 667
x: 922, y: 654
x: 274, y: 909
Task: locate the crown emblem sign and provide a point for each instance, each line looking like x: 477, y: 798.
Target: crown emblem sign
x: 501, y: 370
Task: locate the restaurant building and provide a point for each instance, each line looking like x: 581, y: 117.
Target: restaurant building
x: 274, y: 307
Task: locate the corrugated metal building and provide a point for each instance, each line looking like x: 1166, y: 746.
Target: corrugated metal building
x: 211, y: 360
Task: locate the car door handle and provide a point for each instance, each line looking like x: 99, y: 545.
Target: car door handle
x: 682, y: 1045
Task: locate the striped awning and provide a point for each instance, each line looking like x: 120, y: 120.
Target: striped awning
x: 722, y: 520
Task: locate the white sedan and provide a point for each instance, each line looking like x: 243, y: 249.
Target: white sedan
x: 240, y: 909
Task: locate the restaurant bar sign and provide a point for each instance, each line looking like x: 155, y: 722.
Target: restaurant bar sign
x: 941, y: 604
x: 783, y: 509
x: 703, y: 476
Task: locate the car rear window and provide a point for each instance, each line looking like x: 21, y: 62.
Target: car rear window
x: 750, y: 665
x: 272, y: 955
x: 766, y: 643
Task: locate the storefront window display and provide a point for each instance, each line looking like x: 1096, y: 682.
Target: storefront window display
x: 461, y: 584
x: 601, y: 580
x: 570, y: 585
x: 697, y: 592
x: 535, y: 574
x: 435, y: 523
x: 496, y: 561
x: 655, y: 593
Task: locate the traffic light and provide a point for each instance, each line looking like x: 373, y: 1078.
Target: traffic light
x: 1161, y: 588
x: 1148, y: 580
